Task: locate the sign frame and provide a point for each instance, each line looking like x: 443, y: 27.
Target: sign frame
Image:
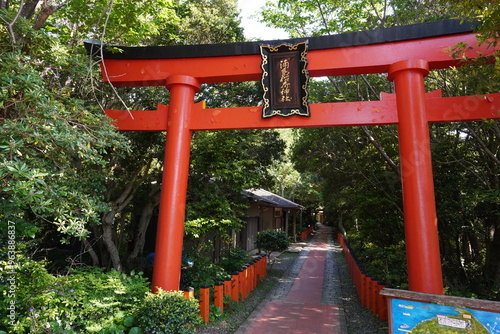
x: 410, y: 302
x: 285, y: 80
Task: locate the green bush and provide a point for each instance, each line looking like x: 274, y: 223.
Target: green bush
x: 168, y: 312
x: 87, y: 300
x: 387, y: 264
x: 105, y: 297
x: 203, y: 272
x: 126, y: 325
x: 233, y: 259
x: 272, y: 241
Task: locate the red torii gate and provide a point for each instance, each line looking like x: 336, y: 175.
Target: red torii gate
x: 405, y: 53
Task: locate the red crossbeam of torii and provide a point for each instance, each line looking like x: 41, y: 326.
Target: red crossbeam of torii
x: 406, y: 54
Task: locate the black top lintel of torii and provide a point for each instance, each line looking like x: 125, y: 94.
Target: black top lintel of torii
x: 369, y: 37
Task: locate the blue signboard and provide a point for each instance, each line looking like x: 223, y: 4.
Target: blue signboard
x: 418, y: 318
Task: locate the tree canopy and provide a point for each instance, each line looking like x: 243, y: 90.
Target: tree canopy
x: 66, y: 172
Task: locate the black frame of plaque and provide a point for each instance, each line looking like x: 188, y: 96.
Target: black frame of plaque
x: 285, y: 80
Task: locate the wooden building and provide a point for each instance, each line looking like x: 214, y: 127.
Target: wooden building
x: 267, y: 211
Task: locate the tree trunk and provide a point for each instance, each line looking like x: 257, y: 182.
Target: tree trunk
x: 91, y: 251
x: 107, y: 237
x: 140, y: 236
x: 29, y: 8
x: 395, y: 168
x: 492, y: 262
x: 453, y: 272
x: 44, y: 14
x: 108, y: 219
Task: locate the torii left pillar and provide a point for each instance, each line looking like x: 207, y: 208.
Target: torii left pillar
x: 170, y: 233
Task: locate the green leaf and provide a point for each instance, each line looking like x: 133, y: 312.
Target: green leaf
x: 135, y: 330
x: 128, y: 321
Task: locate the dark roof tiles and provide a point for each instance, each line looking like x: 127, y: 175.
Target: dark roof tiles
x: 267, y: 197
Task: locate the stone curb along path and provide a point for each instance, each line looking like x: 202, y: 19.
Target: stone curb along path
x: 307, y: 299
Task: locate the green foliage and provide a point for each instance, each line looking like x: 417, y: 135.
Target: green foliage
x: 356, y: 185
x: 126, y: 325
x: 203, y: 272
x: 198, y: 228
x: 302, y: 18
x: 387, y: 264
x: 119, y: 22
x: 272, y: 241
x: 168, y: 312
x: 223, y: 163
x: 52, y: 152
x: 289, y: 182
x: 105, y: 296
x: 486, y: 13
x: 211, y: 21
x: 53, y: 143
x: 87, y: 300
x: 215, y: 313
x: 233, y: 259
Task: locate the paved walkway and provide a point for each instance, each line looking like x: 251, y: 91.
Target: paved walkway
x: 307, y: 300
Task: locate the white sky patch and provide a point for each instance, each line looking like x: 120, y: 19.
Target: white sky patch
x: 253, y: 29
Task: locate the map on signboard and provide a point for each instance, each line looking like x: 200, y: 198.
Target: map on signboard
x: 419, y: 318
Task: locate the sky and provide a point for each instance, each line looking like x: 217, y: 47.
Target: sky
x: 254, y: 30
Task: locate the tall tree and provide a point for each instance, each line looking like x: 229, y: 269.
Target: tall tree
x: 61, y: 152
x: 53, y: 142
x: 63, y: 163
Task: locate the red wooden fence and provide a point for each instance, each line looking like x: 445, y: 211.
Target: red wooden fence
x: 368, y: 287
x: 304, y: 235
x: 237, y: 287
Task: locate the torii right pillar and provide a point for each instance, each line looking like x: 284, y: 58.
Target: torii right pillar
x: 422, y: 241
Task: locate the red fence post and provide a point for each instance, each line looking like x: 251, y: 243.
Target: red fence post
x: 235, y: 286
x: 264, y: 266
x: 367, y: 291
x: 227, y: 288
x: 340, y: 240
x: 248, y: 281
x: 251, y: 276
x: 358, y: 279
x: 189, y: 293
x: 256, y: 263
x: 219, y: 296
x: 374, y: 299
x: 381, y: 303
x: 205, y: 302
x: 379, y: 300
x: 243, y: 282
x: 241, y: 286
x: 258, y: 269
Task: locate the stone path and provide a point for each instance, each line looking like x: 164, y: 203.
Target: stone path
x: 307, y: 299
